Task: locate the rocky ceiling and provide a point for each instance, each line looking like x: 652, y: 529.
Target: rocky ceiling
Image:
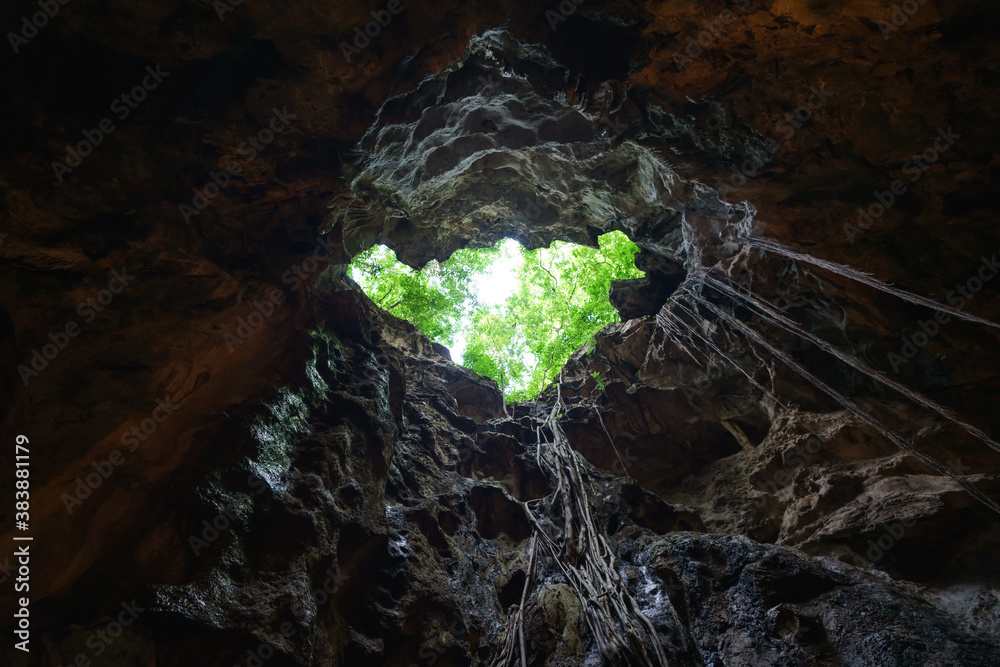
x: 235, y: 458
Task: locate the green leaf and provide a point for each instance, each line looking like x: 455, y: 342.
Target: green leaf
x: 560, y: 302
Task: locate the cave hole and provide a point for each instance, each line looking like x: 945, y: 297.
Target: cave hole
x: 508, y: 313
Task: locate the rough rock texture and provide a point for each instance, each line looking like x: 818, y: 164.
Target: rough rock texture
x: 329, y: 488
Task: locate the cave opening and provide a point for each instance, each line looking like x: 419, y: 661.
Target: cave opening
x: 498, y: 146
x: 509, y: 313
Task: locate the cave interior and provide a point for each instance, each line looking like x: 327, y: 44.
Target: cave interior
x: 785, y: 453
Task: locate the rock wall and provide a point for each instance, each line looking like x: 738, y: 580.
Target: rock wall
x: 238, y: 458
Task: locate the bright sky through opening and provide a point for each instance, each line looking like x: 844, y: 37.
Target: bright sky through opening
x: 493, y: 288
x: 505, y: 312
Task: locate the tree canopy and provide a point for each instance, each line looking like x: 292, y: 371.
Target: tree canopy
x: 508, y: 313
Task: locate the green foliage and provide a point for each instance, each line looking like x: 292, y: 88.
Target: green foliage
x: 559, y: 303
x: 432, y: 298
x: 598, y: 379
x: 496, y: 347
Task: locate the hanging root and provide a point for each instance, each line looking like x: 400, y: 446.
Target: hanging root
x: 623, y: 633
x: 849, y: 405
x: 769, y: 314
x: 515, y: 623
x: 867, y: 279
